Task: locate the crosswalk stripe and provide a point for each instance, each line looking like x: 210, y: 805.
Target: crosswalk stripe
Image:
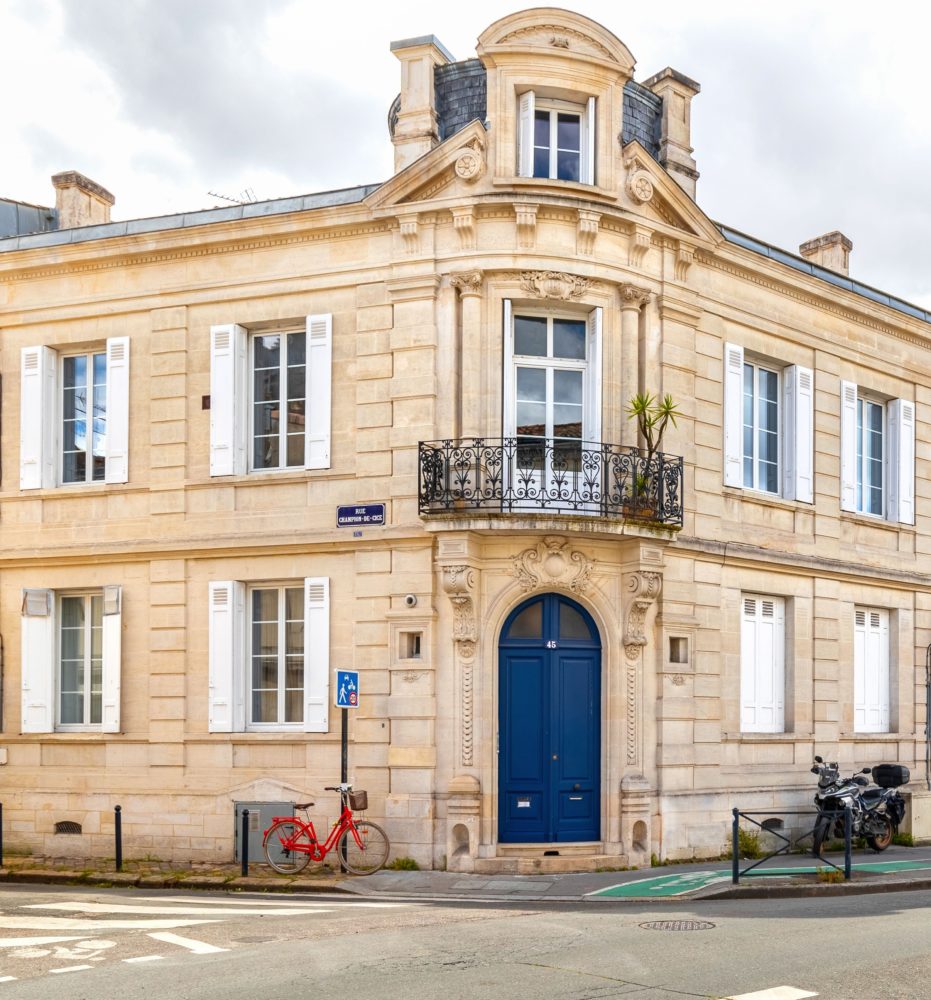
x: 775, y: 993
x: 71, y: 968
x: 37, y: 923
x: 192, y: 911
x: 7, y: 979
x: 145, y: 958
x: 28, y: 942
x: 283, y: 903
x: 198, y: 947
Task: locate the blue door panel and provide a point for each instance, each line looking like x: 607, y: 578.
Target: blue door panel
x: 549, y: 731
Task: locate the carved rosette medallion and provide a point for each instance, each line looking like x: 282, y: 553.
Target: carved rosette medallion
x: 643, y: 589
x: 551, y: 563
x: 554, y: 285
x: 459, y: 583
x: 640, y: 186
x: 470, y: 165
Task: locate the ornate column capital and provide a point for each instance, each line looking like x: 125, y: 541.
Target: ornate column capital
x: 633, y: 296
x: 467, y: 282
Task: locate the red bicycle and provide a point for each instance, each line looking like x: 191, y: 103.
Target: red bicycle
x: 290, y: 844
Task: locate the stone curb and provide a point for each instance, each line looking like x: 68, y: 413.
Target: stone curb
x: 168, y: 881
x: 852, y: 888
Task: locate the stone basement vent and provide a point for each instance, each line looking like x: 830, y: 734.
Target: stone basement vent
x: 67, y: 826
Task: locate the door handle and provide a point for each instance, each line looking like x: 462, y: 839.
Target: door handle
x: 555, y: 756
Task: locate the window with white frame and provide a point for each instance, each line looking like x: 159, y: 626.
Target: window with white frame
x: 556, y: 139
x: 552, y: 386
x: 74, y: 416
x: 71, y: 652
x: 768, y: 426
x: 269, y: 656
x: 270, y: 394
x: 871, y: 670
x: 762, y: 664
x: 877, y: 455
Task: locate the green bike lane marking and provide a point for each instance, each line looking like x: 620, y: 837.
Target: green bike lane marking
x: 685, y: 882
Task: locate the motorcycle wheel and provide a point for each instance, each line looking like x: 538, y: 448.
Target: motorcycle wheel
x: 881, y: 841
x: 821, y: 833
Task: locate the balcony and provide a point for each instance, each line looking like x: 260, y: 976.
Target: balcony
x: 540, y: 475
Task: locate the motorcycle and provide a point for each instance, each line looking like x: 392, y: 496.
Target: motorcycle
x: 875, y: 812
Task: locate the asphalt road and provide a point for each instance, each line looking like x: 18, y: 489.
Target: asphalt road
x: 101, y: 944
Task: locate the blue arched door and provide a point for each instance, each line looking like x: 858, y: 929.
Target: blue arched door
x: 549, y: 724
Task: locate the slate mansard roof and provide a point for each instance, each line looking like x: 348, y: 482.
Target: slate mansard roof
x: 461, y: 97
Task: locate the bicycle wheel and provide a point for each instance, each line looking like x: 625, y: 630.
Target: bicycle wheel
x: 372, y: 855
x: 287, y: 847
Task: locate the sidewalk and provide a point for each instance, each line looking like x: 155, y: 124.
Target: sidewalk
x: 896, y: 870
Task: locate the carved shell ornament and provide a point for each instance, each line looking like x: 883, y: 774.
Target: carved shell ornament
x: 551, y: 563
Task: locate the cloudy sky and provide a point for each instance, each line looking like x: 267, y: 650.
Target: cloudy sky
x: 812, y: 117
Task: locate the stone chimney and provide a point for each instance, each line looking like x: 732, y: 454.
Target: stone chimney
x: 415, y: 132
x: 79, y: 201
x: 831, y: 251
x: 675, y: 149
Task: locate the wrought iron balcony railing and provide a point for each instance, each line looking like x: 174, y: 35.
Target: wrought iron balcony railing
x: 557, y: 476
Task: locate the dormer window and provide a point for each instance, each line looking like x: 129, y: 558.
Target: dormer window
x: 556, y: 139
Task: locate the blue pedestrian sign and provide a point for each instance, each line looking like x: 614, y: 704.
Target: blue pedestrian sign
x: 347, y: 688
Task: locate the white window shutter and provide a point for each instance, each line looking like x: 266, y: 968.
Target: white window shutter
x: 587, y: 173
x: 762, y: 665
x: 112, y: 657
x: 509, y: 411
x: 871, y: 670
x: 37, y: 416
x: 319, y: 382
x: 117, y: 436
x: 848, y: 445
x: 799, y: 434
x: 902, y: 461
x: 229, y: 399
x: 226, y: 667
x: 591, y: 430
x: 733, y: 414
x: 37, y: 641
x: 317, y: 654
x: 525, y: 118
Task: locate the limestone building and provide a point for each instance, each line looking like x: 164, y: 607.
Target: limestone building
x: 572, y: 651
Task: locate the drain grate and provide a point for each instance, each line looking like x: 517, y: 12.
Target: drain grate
x: 677, y: 925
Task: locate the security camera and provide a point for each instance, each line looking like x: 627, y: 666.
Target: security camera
x: 410, y: 600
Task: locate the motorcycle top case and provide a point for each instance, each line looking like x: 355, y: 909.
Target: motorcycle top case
x: 891, y: 775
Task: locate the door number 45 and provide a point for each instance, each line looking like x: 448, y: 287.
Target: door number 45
x: 551, y: 644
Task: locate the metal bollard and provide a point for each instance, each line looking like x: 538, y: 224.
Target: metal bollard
x: 118, y: 835
x: 735, y: 849
x: 1, y: 834
x: 848, y: 823
x: 244, y: 845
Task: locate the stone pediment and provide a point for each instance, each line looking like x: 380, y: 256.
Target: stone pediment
x: 450, y: 169
x: 551, y: 31
x: 656, y: 196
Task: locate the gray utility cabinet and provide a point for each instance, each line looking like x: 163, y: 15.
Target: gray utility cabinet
x: 261, y: 815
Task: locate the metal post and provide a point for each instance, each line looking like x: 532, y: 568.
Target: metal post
x: 1, y: 834
x: 735, y: 848
x: 343, y: 777
x: 118, y: 835
x: 244, y: 844
x: 848, y: 823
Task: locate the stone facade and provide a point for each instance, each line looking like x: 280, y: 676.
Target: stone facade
x: 418, y: 277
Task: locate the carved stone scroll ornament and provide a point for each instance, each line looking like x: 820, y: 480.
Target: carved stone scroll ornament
x: 459, y: 583
x: 551, y: 563
x: 554, y: 285
x: 643, y: 589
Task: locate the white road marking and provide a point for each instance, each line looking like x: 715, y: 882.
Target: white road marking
x: 7, y: 979
x: 264, y: 903
x: 25, y: 942
x: 75, y: 924
x: 198, y: 947
x: 145, y: 958
x: 71, y: 968
x: 194, y: 911
x: 776, y: 993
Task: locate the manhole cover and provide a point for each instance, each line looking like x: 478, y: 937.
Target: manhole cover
x: 677, y: 925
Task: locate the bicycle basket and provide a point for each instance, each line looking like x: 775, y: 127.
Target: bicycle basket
x: 358, y: 801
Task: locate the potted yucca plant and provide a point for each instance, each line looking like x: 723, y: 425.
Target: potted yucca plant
x: 653, y: 415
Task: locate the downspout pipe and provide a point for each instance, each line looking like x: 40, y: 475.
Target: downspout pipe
x: 928, y: 717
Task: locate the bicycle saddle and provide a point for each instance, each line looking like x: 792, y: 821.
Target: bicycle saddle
x: 302, y: 805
